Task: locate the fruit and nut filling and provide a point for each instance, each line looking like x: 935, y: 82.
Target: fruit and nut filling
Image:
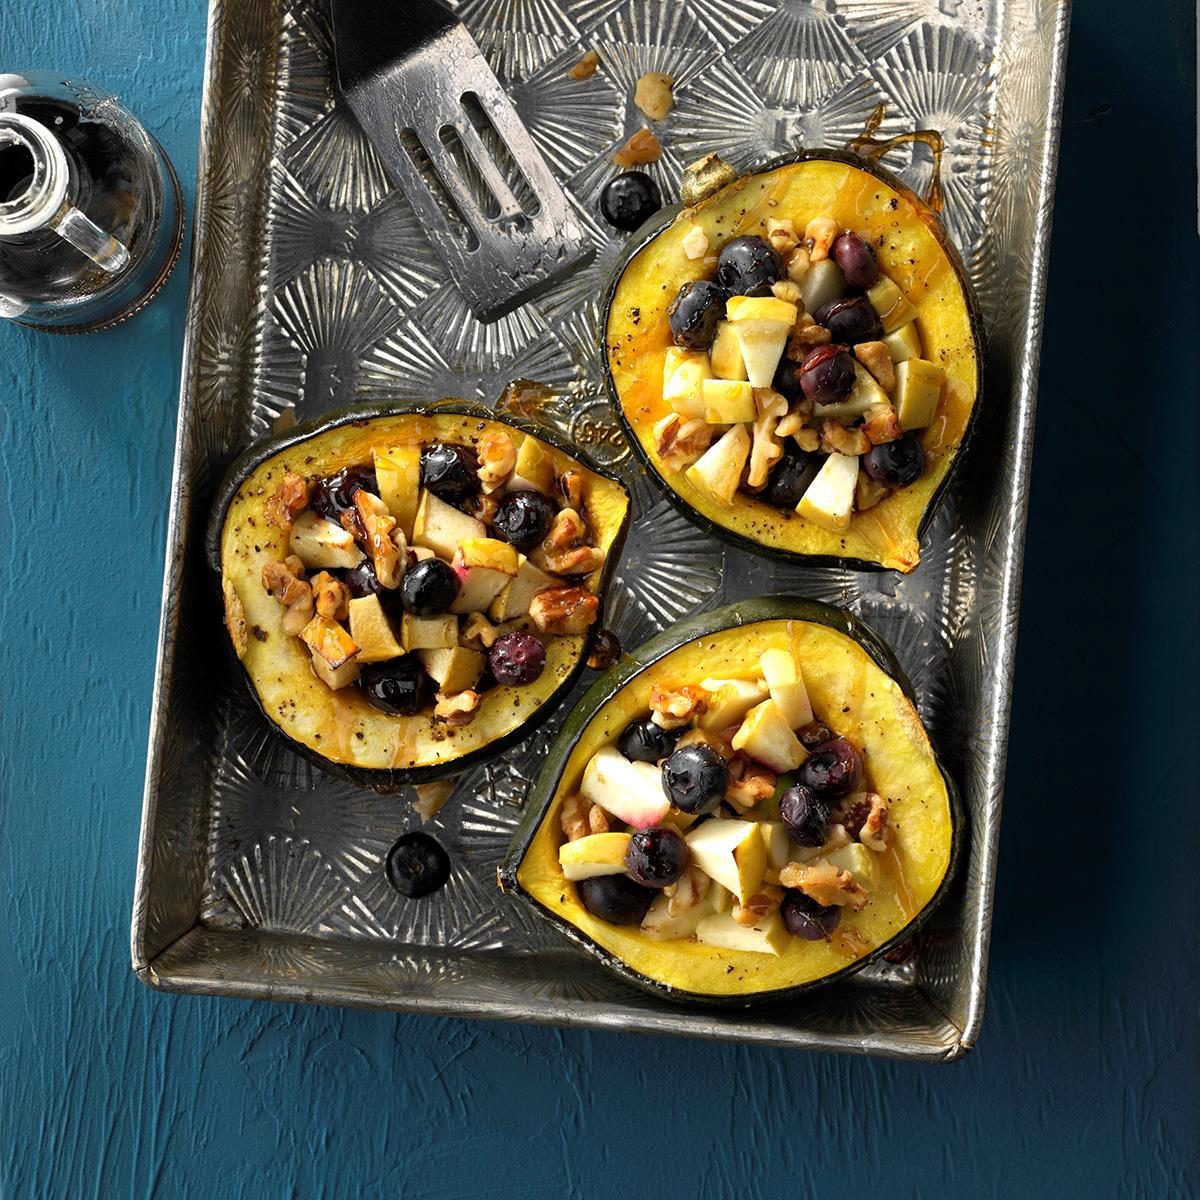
x: 435, y: 572
x: 797, y: 374
x: 728, y: 815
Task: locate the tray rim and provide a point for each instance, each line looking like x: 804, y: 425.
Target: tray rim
x: 997, y: 697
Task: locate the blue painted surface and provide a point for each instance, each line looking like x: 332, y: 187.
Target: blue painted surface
x: 1086, y: 1079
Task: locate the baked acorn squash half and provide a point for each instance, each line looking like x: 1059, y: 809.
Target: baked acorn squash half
x: 410, y: 589
x: 743, y: 808
x: 797, y: 357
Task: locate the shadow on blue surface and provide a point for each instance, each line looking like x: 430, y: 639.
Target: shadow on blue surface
x: 1085, y: 1080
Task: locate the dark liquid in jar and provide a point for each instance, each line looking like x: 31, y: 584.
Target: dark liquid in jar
x: 111, y: 183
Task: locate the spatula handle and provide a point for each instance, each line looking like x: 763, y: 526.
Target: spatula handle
x: 369, y: 34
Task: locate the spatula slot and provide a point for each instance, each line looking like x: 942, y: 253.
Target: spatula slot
x: 452, y: 215
x: 493, y: 141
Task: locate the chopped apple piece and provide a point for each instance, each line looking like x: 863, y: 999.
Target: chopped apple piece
x: 398, y: 473
x: 729, y: 701
x: 318, y: 542
x: 335, y: 678
x: 595, y: 854
x: 786, y: 685
x: 328, y: 639
x: 659, y: 924
x: 631, y: 791
x: 857, y: 859
x: 371, y: 629
x: 534, y: 469
x: 478, y: 588
x: 865, y: 393
x: 453, y: 669
x: 727, y: 401
x: 768, y: 936
x: 720, y: 898
x: 684, y: 374
x: 904, y: 343
x: 513, y: 601
x: 891, y: 304
x: 718, y: 470
x: 822, y: 282
x: 762, y: 344
x: 778, y: 844
x: 829, y: 500
x: 760, y: 308
x: 766, y: 736
x: 442, y: 527
x: 428, y: 633
x: 918, y: 390
x: 730, y: 853
x: 488, y: 552
x: 726, y: 355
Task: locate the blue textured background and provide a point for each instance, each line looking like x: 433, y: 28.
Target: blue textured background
x: 1086, y: 1079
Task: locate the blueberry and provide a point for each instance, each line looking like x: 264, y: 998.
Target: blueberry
x: 643, y: 741
x: 807, y: 919
x: 747, y: 266
x: 517, y: 658
x: 429, y: 588
x: 695, y: 312
x: 791, y: 475
x: 805, y: 816
x: 398, y: 686
x: 834, y: 769
x: 827, y: 374
x: 362, y: 580
x: 334, y: 494
x: 450, y: 472
x: 851, y: 319
x: 657, y: 857
x: 856, y: 259
x: 523, y: 519
x: 695, y: 779
x: 417, y: 865
x: 615, y: 898
x: 897, y: 463
x: 629, y: 199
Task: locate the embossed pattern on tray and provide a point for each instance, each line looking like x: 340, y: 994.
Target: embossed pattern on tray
x: 313, y: 287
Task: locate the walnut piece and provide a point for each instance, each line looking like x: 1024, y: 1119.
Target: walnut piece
x: 570, y: 486
x: 686, y: 892
x: 478, y: 632
x: 881, y: 424
x: 585, y: 68
x: 564, y: 550
x: 759, y: 906
x: 235, y: 618
x: 576, y: 817
x: 288, y: 502
x: 564, y: 610
x: 431, y: 797
x: 808, y: 440
x: 673, y: 709
x: 679, y: 442
x: 653, y: 95
x: 868, y: 492
x: 823, y: 882
x: 641, y: 147
x: 750, y: 783
x: 786, y: 290
x: 385, y: 541
x: 835, y: 436
x: 695, y: 242
x: 331, y: 595
x: 797, y: 264
x: 597, y: 820
x: 497, y: 458
x: 457, y: 709
x: 766, y: 449
x: 877, y: 358
x: 807, y: 335
x: 285, y: 581
x: 818, y: 237
x: 783, y: 236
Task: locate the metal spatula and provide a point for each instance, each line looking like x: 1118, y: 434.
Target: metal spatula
x: 451, y: 140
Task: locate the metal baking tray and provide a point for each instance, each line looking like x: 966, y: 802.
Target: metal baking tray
x: 313, y: 287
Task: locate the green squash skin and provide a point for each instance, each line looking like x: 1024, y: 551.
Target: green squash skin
x: 542, y: 794
x: 386, y: 782
x: 660, y: 221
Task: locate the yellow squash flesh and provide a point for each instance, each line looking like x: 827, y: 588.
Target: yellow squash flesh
x: 899, y: 763
x: 341, y: 726
x: 911, y: 253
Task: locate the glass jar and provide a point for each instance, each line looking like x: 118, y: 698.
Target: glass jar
x: 91, y: 216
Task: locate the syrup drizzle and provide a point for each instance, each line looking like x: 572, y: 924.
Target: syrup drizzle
x: 873, y: 148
